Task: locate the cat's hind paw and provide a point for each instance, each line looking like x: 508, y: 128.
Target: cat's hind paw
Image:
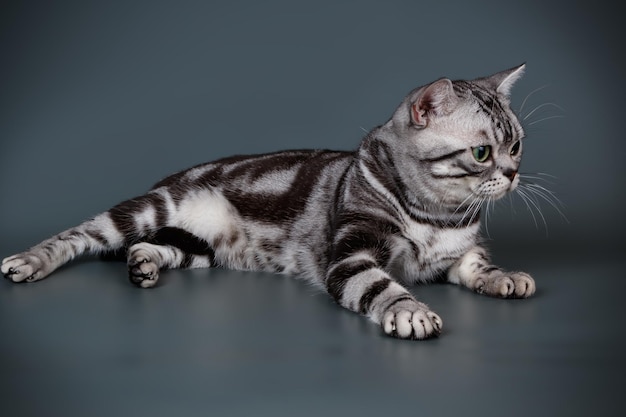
x: 412, y: 320
x: 142, y: 271
x: 23, y: 267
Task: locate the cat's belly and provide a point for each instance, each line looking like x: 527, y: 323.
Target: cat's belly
x: 429, y: 251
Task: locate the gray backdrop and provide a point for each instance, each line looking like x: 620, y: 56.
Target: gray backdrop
x: 99, y: 100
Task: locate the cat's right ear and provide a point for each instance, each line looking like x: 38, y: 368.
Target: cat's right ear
x: 433, y: 100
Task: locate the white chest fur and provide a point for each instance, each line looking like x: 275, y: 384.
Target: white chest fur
x: 430, y: 250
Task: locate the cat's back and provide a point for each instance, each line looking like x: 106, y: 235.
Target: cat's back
x: 271, y: 172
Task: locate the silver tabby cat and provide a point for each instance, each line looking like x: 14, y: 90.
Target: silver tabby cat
x: 401, y: 209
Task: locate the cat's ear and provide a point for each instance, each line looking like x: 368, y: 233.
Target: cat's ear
x: 435, y: 99
x: 503, y: 82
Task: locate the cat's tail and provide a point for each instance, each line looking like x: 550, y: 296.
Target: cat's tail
x: 108, y: 232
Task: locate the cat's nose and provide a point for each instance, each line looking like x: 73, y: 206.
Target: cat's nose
x: 510, y: 174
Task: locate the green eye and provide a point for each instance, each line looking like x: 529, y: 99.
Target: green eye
x: 515, y: 148
x: 481, y: 153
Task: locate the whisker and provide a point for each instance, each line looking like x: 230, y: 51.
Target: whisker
x: 530, y: 94
x: 548, y: 196
x: 545, y: 190
x: 536, y: 205
x: 530, y: 177
x: 479, y: 205
x: 542, y: 106
x: 524, y: 197
x: 558, y: 116
x: 546, y: 175
x: 471, y: 208
x: 460, y: 222
x: 510, y: 198
x: 535, y: 177
x: 489, y: 208
x: 462, y: 203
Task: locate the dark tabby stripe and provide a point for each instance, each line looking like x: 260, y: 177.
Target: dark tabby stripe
x: 340, y: 274
x: 371, y: 293
x: 290, y: 203
x: 399, y: 299
x: 467, y: 173
x: 123, y: 214
x: 183, y: 240
x: 449, y: 155
x: 492, y: 107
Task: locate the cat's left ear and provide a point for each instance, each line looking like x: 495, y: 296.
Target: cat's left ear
x: 503, y: 82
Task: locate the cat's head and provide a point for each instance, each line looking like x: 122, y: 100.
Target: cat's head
x: 459, y: 139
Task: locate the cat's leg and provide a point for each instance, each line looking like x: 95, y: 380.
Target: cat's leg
x: 94, y: 236
x: 123, y: 224
x: 146, y: 260
x: 358, y: 284
x: 357, y: 280
x: 168, y: 248
x: 475, y: 271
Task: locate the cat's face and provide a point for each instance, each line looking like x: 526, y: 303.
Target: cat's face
x: 483, y: 140
x: 460, y: 140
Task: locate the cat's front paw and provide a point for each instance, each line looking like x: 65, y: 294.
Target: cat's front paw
x: 23, y: 267
x: 505, y: 284
x: 411, y: 320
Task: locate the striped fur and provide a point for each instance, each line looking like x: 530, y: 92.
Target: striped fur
x: 401, y: 209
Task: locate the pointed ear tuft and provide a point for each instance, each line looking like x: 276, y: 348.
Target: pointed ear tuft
x: 503, y: 82
x: 435, y: 99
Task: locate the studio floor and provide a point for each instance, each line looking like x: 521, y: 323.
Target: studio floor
x: 102, y: 99
x: 214, y: 342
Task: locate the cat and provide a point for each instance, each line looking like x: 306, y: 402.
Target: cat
x: 401, y: 209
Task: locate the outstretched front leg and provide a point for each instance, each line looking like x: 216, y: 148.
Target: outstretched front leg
x: 475, y: 271
x: 357, y: 279
x: 358, y: 284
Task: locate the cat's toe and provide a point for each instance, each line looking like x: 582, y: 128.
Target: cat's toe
x: 496, y: 286
x: 436, y: 321
x: 143, y: 269
x: 25, y: 267
x: 506, y: 285
x: 412, y: 323
x: 143, y: 273
x: 524, y: 284
x: 424, y: 325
